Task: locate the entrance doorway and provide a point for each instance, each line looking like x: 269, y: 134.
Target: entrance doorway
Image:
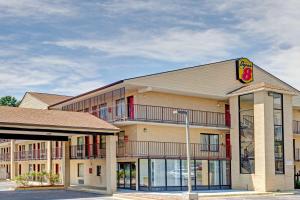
x: 126, y: 175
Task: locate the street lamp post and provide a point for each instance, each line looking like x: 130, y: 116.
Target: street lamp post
x: 188, y: 150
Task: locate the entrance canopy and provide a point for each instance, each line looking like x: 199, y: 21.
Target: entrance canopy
x: 37, y: 124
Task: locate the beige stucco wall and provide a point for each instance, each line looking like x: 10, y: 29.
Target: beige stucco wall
x: 89, y: 179
x: 264, y: 178
x: 31, y: 102
x: 179, y: 101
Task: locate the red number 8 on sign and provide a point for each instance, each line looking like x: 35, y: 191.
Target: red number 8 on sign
x: 247, y: 74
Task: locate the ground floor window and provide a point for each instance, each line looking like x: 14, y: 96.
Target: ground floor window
x: 171, y: 174
x: 126, y: 175
x: 80, y: 172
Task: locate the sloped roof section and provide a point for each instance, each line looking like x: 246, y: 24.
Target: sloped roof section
x: 53, y: 118
x: 49, y: 99
x: 260, y: 86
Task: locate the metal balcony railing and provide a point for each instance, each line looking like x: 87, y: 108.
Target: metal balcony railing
x: 151, y: 149
x: 297, y: 154
x: 296, y: 127
x: 4, y: 140
x: 5, y: 157
x: 90, y: 151
x: 161, y: 114
x: 56, y: 153
x: 39, y: 154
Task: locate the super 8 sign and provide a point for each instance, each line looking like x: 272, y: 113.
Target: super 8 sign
x: 244, y: 68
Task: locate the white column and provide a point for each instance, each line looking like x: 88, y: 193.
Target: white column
x: 12, y: 159
x: 49, y: 157
x: 66, y: 164
x: 111, y: 162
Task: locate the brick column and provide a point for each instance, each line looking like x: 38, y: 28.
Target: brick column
x: 111, y: 162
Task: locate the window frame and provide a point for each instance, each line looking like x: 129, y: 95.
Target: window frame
x: 120, y: 103
x: 209, y: 149
x: 278, y: 143
x: 239, y: 124
x: 78, y: 172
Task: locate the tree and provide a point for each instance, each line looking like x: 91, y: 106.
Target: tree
x: 9, y: 101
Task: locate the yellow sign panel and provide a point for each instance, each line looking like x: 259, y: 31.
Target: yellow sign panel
x: 244, y: 68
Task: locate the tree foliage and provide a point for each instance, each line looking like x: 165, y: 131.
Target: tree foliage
x: 9, y: 101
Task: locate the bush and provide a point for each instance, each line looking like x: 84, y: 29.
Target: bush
x: 41, y: 177
x: 22, y: 180
x: 53, y: 178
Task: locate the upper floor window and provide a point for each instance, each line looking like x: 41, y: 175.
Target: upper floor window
x: 121, y: 139
x: 246, y: 134
x: 103, y: 111
x: 94, y: 111
x: 210, y: 142
x: 120, y: 107
x: 278, y: 132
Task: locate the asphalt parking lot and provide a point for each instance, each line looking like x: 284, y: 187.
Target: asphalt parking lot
x: 260, y: 197
x: 7, y: 193
x: 50, y: 195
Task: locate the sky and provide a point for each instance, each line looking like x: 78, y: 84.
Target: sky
x: 72, y: 46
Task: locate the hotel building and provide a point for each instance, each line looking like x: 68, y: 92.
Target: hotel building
x: 244, y: 132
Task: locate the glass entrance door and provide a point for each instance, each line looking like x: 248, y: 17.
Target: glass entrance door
x: 126, y: 175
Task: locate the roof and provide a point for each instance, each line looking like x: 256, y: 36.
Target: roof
x: 260, y: 86
x: 49, y: 99
x: 212, y: 80
x: 86, y: 93
x: 52, y: 118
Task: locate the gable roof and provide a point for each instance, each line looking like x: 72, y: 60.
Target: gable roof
x: 48, y: 99
x: 52, y: 118
x: 212, y: 80
x: 258, y: 87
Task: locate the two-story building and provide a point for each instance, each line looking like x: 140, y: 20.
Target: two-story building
x: 243, y: 129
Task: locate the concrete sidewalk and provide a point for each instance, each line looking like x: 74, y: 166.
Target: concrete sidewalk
x: 201, y: 194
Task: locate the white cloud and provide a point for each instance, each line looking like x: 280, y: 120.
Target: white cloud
x: 169, y: 45
x: 36, y: 8
x: 58, y: 74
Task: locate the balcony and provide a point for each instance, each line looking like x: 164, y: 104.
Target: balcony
x: 149, y: 149
x: 296, y: 127
x: 5, y: 157
x: 297, y: 154
x: 4, y: 140
x: 31, y: 155
x: 161, y: 114
x: 56, y: 153
x: 146, y: 149
x: 91, y: 151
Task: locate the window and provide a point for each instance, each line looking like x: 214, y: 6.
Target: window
x: 210, y: 142
x: 121, y: 137
x: 30, y: 168
x: 43, y: 167
x: 94, y: 111
x: 120, y: 107
x: 79, y: 146
x: 246, y: 134
x: 278, y: 132
x: 98, y: 170
x: 80, y: 172
x: 102, y: 142
x: 158, y: 172
x: 173, y: 172
x: 143, y: 173
x: 103, y: 111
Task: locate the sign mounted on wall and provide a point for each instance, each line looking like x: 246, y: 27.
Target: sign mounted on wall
x: 244, y: 70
